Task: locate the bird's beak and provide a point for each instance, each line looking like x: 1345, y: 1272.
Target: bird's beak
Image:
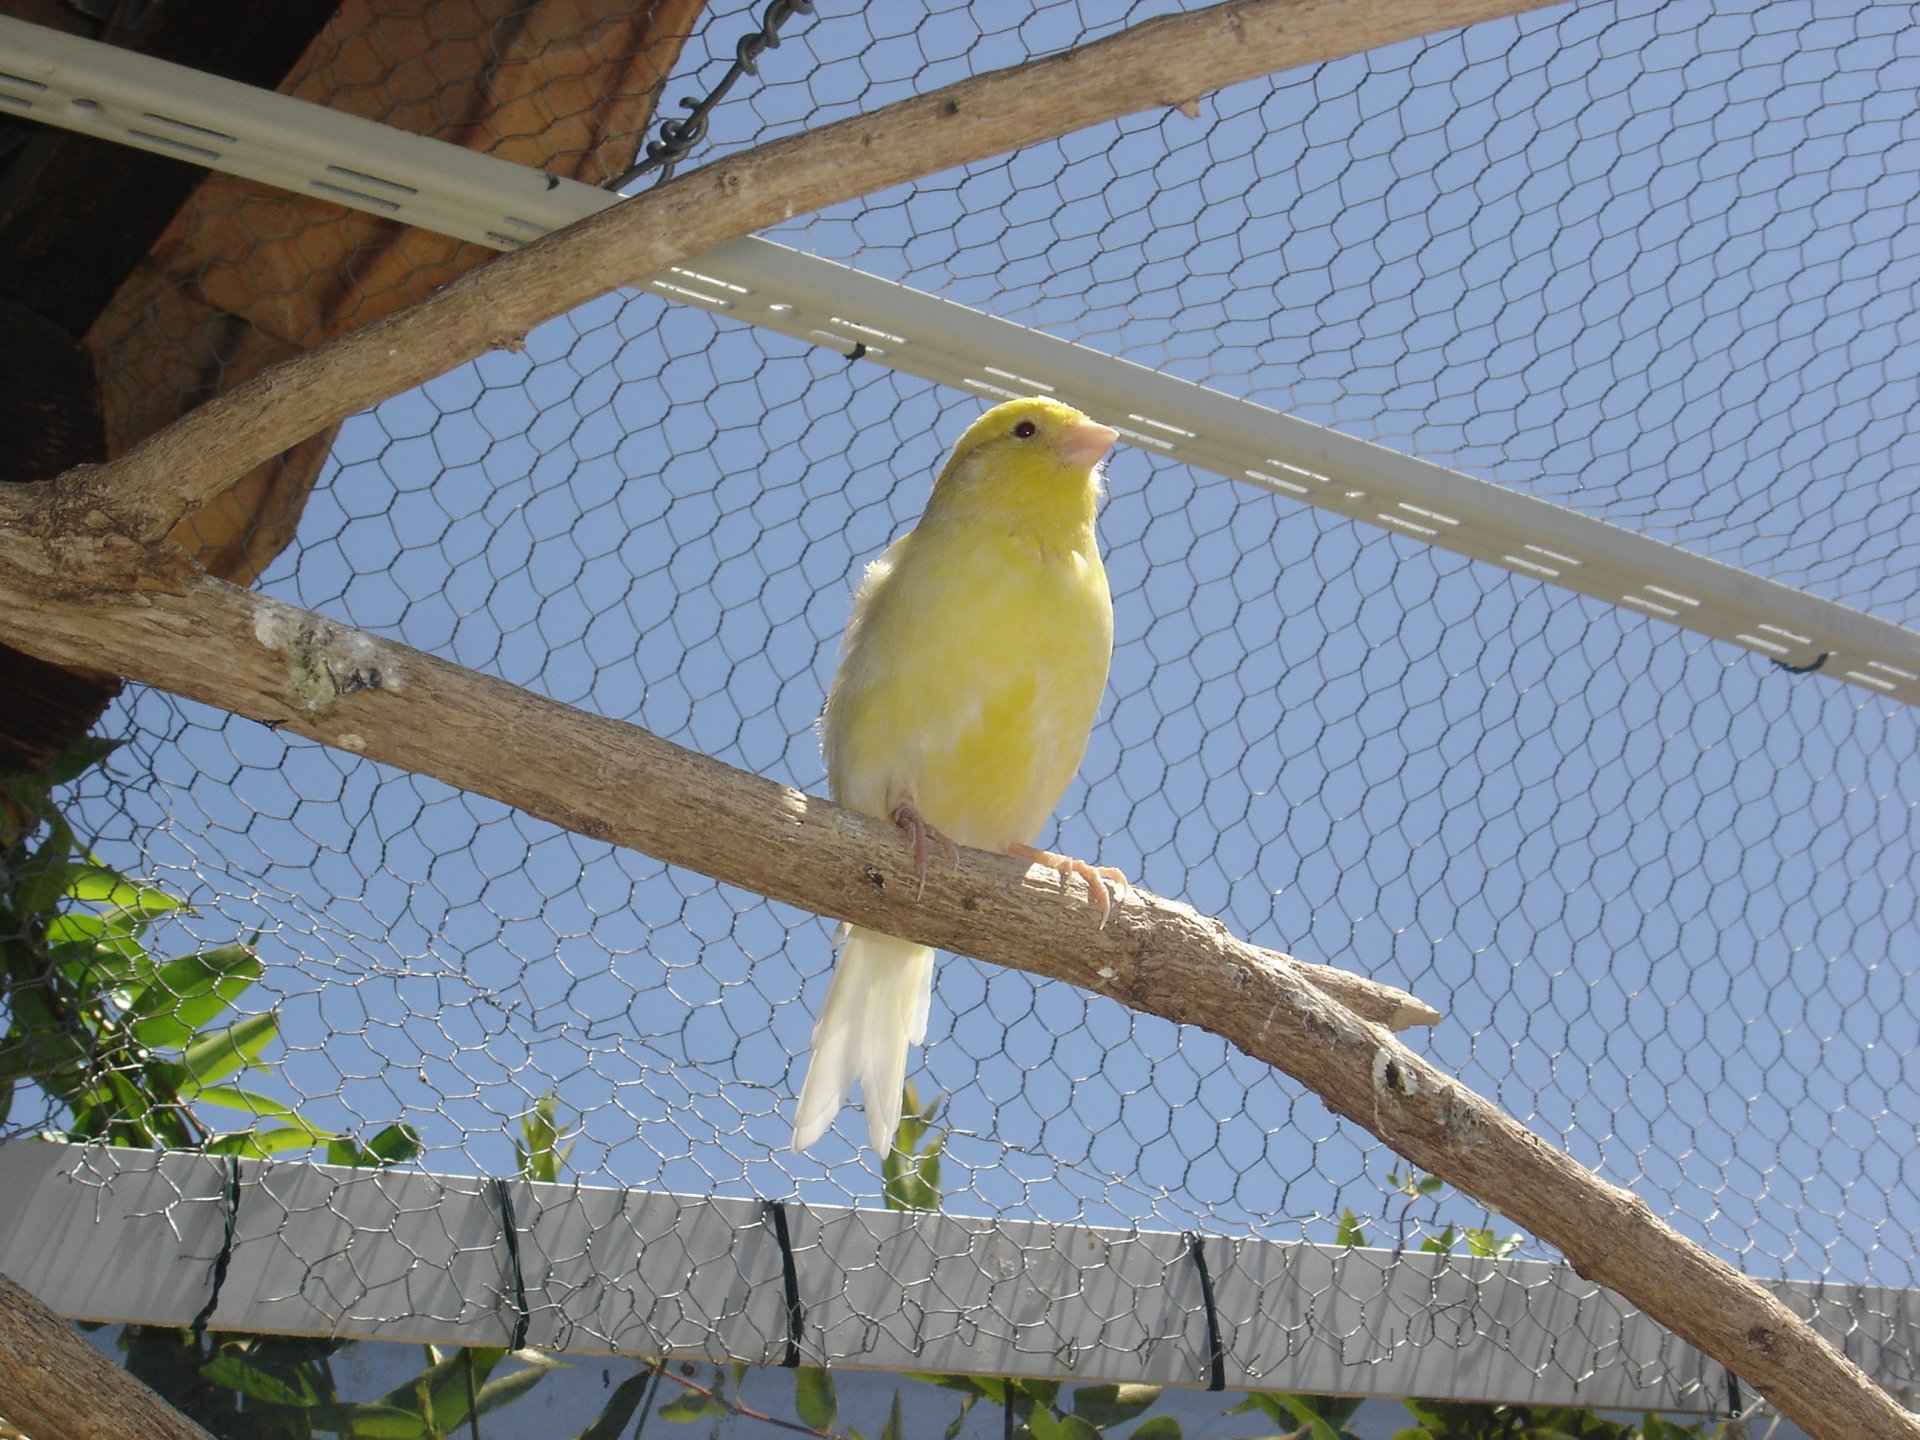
x: 1085, y: 441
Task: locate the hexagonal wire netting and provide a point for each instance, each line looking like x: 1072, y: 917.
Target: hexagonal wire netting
x: 1654, y: 265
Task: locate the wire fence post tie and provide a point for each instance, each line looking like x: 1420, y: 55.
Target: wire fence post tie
x: 1216, y: 1350
x: 510, y: 1227
x: 776, y: 1212
x: 231, y: 1221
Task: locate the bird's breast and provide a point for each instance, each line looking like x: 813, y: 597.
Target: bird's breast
x: 971, y: 681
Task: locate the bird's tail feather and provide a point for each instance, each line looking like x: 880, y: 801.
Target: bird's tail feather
x: 876, y: 1006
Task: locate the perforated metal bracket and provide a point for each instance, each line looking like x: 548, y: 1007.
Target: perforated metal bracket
x: 311, y: 150
x: 172, y: 110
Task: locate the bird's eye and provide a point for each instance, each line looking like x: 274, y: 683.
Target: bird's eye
x: 1026, y: 430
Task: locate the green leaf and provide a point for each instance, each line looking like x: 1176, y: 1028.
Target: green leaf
x: 911, y: 1169
x: 220, y: 1054
x: 690, y: 1405
x: 108, y: 961
x: 1102, y: 1405
x: 1427, y: 1412
x: 394, y: 1145
x: 98, y: 885
x: 43, y: 878
x: 815, y: 1400
x: 231, y: 1370
x: 538, y: 1151
x: 1441, y: 1244
x: 1043, y: 1391
x: 344, y: 1153
x: 508, y: 1388
x: 188, y: 991
x: 895, y: 1428
x: 75, y: 927
x: 261, y: 1107
x: 78, y: 758
x: 960, y: 1420
x: 1043, y: 1425
x: 1350, y: 1231
x: 442, y: 1387
x: 1156, y: 1427
x: 966, y: 1383
x: 612, y: 1420
x: 913, y: 1182
x: 1655, y: 1427
x: 40, y: 1047
x: 264, y: 1144
x: 1268, y: 1405
x: 1490, y: 1243
x: 368, y: 1422
x: 124, y: 1104
x: 448, y: 1372
x: 1319, y: 1415
x: 1074, y: 1427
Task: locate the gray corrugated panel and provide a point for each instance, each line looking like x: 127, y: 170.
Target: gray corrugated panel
x: 641, y: 1272
x: 127, y: 1235
x: 398, y: 1256
x: 311, y: 149
x: 1447, y: 1327
x: 105, y: 1234
x: 888, y: 1290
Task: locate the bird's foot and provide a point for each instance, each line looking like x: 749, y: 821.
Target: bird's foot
x: 919, y: 832
x: 1104, y: 883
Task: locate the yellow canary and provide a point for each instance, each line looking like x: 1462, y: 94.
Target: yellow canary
x: 973, y: 664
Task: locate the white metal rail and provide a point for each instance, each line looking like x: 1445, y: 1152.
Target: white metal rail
x: 118, y: 95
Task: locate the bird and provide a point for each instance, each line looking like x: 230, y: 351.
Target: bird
x: 974, y: 662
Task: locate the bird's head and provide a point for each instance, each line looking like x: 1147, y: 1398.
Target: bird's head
x: 1036, y: 452
x: 1048, y: 431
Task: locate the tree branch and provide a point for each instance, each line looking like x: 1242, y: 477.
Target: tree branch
x: 149, y: 614
x: 55, y: 1386
x: 1170, y: 62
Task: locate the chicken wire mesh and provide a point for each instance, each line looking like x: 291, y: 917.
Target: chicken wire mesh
x: 1655, y: 265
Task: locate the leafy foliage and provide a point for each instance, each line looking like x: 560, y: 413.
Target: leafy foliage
x: 911, y: 1169
x: 538, y: 1152
x: 132, y: 1047
x: 815, y: 1400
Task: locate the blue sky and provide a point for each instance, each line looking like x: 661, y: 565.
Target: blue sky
x: 1654, y: 265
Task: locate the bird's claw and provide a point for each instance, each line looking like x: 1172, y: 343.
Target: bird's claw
x: 1104, y: 884
x: 907, y: 817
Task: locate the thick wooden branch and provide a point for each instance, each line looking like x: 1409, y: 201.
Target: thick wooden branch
x: 55, y: 1386
x: 1170, y: 62
x: 149, y: 614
